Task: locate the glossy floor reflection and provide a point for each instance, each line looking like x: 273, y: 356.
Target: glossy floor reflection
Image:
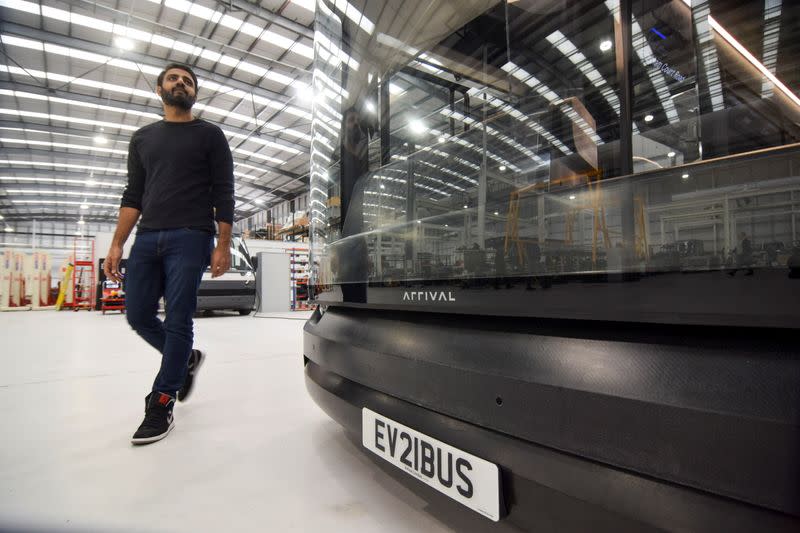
x: 250, y: 450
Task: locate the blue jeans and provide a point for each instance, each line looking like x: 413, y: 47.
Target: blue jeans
x: 168, y: 263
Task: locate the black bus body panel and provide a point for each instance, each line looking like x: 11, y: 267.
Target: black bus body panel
x: 545, y: 490
x: 714, y: 410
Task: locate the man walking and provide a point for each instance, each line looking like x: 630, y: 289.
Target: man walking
x: 180, y: 179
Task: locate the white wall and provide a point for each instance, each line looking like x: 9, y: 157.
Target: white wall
x: 103, y: 243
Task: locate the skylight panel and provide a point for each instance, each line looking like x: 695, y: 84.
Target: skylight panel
x: 256, y: 155
x: 353, y: 13
x: 87, y: 183
x: 63, y: 202
x: 129, y: 65
x: 64, y: 165
x: 139, y: 35
x: 64, y: 193
x: 64, y: 145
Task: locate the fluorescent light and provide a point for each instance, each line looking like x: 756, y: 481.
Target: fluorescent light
x: 550, y: 95
x: 9, y: 229
x: 15, y: 162
x: 502, y: 168
x: 64, y: 145
x: 87, y: 183
x: 685, y: 176
x: 123, y: 43
x: 772, y: 29
x: 207, y: 85
x: 747, y: 55
x: 306, y: 93
x: 351, y: 12
x: 1, y: 217
x: 494, y: 133
x: 648, y: 118
x: 646, y: 55
x: 605, y: 46
x: 61, y: 202
x: 417, y: 127
x: 190, y: 8
x: 64, y: 193
x: 499, y: 104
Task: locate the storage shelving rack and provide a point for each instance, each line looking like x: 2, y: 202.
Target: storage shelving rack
x: 300, y: 271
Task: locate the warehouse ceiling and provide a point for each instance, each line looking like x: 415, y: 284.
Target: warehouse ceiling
x: 78, y: 78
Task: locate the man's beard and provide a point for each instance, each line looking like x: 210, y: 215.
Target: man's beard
x: 182, y: 100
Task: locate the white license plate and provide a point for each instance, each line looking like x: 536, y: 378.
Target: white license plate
x: 467, y: 479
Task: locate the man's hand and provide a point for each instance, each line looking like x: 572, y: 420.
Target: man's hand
x: 220, y: 260
x: 111, y: 264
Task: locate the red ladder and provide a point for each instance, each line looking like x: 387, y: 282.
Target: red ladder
x: 83, y: 275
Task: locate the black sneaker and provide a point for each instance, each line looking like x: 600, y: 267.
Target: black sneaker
x: 195, y: 360
x: 158, y: 421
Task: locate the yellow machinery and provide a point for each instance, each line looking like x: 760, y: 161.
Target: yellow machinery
x: 65, y: 286
x: 593, y: 179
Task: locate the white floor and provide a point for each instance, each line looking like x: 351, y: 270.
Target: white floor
x: 250, y: 450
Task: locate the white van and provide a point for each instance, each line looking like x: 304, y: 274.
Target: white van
x: 235, y: 289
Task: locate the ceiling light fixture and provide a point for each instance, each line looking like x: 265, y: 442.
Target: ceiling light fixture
x: 466, y: 207
x: 84, y: 206
x: 369, y: 106
x: 605, y: 46
x: 648, y: 118
x: 751, y: 58
x: 61, y: 165
x: 9, y: 229
x: 685, y: 176
x: 81, y: 222
x: 306, y: 93
x: 671, y: 154
x: 571, y: 196
x: 417, y: 127
x: 123, y: 43
x: 496, y: 213
x: 502, y: 168
x: 442, y: 139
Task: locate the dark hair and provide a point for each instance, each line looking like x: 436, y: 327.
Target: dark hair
x: 160, y: 81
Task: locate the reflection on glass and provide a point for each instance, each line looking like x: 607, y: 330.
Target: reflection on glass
x: 467, y: 141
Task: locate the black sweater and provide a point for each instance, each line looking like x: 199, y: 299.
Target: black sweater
x: 179, y: 173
